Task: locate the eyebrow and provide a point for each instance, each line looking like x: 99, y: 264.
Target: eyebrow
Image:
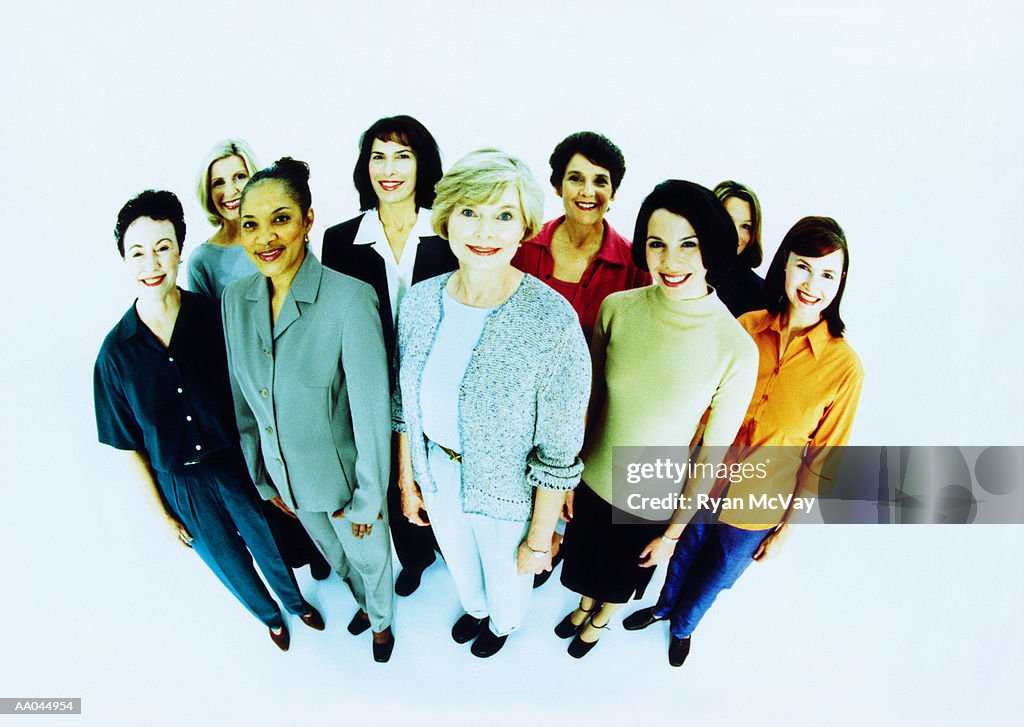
x: 140, y: 245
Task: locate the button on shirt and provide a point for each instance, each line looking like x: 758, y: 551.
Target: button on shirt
x: 173, y: 403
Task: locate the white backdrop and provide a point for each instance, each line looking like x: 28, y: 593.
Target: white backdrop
x: 902, y: 123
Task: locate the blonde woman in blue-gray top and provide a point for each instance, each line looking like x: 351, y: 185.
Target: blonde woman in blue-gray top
x: 221, y: 260
x: 310, y: 383
x: 494, y: 378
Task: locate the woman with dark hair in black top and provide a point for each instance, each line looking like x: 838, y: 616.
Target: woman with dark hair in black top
x: 390, y: 245
x: 162, y: 393
x: 740, y: 288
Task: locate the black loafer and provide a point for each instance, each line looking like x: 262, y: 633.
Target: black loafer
x: 487, y: 644
x: 640, y: 620
x: 359, y: 623
x: 382, y: 652
x: 408, y: 581
x: 467, y: 628
x: 678, y: 650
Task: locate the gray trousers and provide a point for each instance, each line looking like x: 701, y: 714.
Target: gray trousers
x: 364, y: 564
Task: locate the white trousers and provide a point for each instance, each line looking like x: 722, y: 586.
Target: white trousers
x: 480, y: 551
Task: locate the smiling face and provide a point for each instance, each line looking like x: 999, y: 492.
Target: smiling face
x: 486, y: 236
x: 586, y: 191
x: 812, y: 284
x: 673, y: 256
x: 152, y: 255
x: 274, y: 229
x: 742, y: 217
x: 227, y: 179
x: 392, y: 171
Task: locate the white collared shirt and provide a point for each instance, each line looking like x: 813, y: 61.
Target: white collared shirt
x: 399, y: 272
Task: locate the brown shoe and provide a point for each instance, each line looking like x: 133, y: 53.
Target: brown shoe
x: 283, y: 639
x: 313, y: 619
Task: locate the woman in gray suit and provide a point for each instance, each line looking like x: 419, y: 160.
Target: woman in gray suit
x: 310, y: 383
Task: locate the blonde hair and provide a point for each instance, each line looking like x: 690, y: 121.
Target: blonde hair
x: 753, y: 254
x: 221, y: 150
x: 481, y: 177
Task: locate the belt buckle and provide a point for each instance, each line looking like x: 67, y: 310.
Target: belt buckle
x: 452, y: 454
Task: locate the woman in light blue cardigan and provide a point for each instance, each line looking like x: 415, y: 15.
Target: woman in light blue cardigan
x: 494, y: 379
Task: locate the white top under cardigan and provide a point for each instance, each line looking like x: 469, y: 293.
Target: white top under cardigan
x: 457, y: 336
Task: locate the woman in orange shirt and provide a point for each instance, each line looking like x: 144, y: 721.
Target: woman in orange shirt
x: 808, y: 385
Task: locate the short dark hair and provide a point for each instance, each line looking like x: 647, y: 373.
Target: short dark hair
x: 155, y: 204
x: 753, y: 254
x: 293, y: 174
x: 810, y: 237
x: 596, y: 148
x: 401, y: 130
x: 716, y: 233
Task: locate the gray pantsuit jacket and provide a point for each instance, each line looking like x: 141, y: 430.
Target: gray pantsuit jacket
x: 311, y: 391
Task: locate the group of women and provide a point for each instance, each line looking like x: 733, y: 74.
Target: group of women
x: 453, y: 368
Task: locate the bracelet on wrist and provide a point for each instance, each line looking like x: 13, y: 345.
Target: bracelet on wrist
x: 667, y: 539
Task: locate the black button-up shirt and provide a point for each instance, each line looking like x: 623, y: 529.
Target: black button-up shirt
x: 172, y: 403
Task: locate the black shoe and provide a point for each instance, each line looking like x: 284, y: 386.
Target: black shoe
x: 320, y: 570
x: 467, y: 628
x: 678, y: 649
x: 640, y: 620
x: 578, y: 648
x: 541, y: 578
x: 359, y: 623
x: 382, y: 652
x: 408, y: 581
x: 567, y: 629
x: 487, y: 644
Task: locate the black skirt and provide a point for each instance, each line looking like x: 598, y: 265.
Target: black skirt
x: 601, y: 557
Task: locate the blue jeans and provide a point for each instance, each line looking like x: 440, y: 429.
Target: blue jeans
x: 709, y: 558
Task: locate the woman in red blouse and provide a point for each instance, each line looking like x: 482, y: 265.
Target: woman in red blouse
x: 579, y: 254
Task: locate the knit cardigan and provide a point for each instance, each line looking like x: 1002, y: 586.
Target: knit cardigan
x: 522, y: 400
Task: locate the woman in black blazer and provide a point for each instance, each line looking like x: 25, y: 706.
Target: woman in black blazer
x: 390, y: 245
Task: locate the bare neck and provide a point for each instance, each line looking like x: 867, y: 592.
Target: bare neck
x: 586, y: 239
x: 229, y: 234
x: 484, y: 289
x: 159, y: 315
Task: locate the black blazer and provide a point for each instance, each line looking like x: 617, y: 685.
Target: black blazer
x: 433, y: 257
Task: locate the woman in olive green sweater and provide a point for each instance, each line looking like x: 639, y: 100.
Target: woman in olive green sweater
x: 663, y: 356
